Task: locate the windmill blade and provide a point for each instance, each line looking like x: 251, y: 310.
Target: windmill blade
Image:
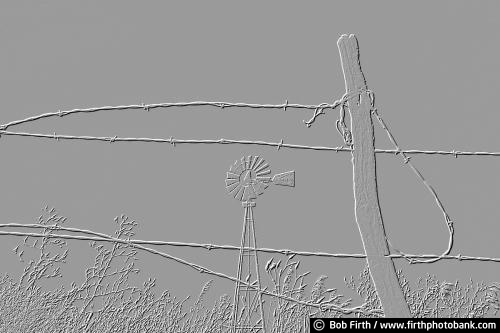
x: 230, y: 175
x: 230, y: 188
x: 284, y: 179
x: 249, y: 161
x: 231, y: 181
x: 239, y: 193
x: 253, y: 161
x: 262, y: 168
x: 264, y: 172
x: 257, y: 163
x: 237, y: 168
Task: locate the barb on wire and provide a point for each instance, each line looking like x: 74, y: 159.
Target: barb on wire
x: 100, y: 237
x: 406, y: 160
x: 287, y: 252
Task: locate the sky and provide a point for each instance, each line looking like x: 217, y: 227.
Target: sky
x: 433, y: 66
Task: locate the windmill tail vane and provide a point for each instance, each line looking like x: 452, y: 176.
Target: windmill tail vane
x: 284, y: 179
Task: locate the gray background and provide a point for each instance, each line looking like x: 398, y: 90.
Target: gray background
x: 432, y: 64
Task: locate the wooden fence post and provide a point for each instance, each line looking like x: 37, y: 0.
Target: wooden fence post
x: 367, y: 209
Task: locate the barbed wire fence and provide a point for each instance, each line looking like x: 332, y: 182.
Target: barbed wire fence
x: 318, y: 110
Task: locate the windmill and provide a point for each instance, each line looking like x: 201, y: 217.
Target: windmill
x: 245, y: 181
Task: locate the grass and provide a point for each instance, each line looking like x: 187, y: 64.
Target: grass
x: 107, y: 300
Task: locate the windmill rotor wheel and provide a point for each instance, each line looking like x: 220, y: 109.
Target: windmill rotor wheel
x: 248, y: 178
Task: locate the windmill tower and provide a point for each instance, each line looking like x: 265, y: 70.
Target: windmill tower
x: 245, y: 181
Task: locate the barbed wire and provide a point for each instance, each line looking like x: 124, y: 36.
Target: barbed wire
x: 147, y: 107
x: 201, y: 269
x: 173, y: 141
x: 454, y: 153
x: 287, y: 252
x: 318, y: 109
x: 406, y: 160
x: 281, y: 144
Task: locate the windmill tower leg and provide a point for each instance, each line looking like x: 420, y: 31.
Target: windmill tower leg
x: 248, y: 309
